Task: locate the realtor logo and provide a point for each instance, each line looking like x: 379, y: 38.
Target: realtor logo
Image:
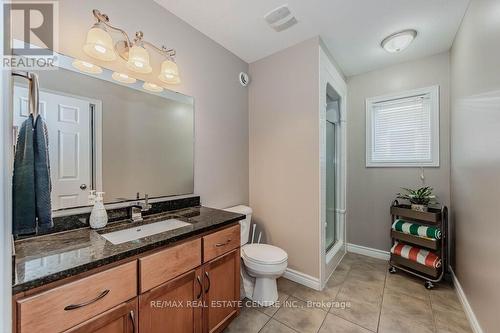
x: 30, y: 34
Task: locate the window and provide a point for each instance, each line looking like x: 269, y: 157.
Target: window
x: 402, y: 130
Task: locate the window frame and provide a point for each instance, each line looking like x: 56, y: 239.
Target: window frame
x: 433, y: 92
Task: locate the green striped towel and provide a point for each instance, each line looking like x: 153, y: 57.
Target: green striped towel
x: 416, y: 229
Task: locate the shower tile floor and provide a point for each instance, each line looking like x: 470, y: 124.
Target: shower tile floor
x: 360, y: 297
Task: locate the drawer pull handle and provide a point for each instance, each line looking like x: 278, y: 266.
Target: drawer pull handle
x: 201, y: 287
x: 223, y: 244
x: 208, y: 279
x: 81, y: 305
x: 132, y: 318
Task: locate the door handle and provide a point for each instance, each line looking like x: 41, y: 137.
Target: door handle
x: 201, y: 287
x: 223, y: 244
x: 208, y: 279
x: 83, y: 187
x: 81, y: 305
x: 132, y: 319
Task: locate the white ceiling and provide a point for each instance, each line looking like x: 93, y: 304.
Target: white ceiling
x: 351, y: 29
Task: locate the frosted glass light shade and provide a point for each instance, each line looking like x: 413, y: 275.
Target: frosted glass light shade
x: 87, y: 67
x: 169, y: 72
x: 99, y: 44
x: 123, y: 78
x: 399, y: 41
x: 152, y: 87
x: 138, y: 60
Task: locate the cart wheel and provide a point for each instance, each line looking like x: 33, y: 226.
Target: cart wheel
x: 429, y: 285
x: 392, y: 270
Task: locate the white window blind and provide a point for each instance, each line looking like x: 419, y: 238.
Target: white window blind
x: 403, y: 130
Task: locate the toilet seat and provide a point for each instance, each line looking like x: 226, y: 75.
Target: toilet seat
x: 263, y: 254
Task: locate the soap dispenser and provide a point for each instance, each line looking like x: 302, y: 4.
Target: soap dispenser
x: 98, y: 216
x: 92, y: 197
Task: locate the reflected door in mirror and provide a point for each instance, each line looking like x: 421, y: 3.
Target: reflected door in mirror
x: 70, y: 151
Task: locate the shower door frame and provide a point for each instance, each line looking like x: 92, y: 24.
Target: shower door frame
x: 330, y: 76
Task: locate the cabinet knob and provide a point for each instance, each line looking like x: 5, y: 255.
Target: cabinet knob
x: 83, y: 187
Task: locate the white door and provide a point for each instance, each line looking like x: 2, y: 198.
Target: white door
x: 70, y: 150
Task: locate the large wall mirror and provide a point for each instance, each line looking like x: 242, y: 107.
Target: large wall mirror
x: 110, y: 136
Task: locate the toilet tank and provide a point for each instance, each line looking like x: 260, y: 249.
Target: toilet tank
x: 245, y: 223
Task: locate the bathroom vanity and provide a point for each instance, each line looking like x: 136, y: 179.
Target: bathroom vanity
x: 161, y: 264
x: 182, y: 280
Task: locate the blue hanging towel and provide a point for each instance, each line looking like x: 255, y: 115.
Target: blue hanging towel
x: 43, y: 186
x: 23, y: 182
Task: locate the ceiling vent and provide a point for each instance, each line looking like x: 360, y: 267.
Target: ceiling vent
x: 280, y: 18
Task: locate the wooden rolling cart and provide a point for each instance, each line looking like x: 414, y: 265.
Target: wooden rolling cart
x: 434, y: 218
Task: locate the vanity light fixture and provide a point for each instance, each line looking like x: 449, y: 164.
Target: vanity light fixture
x: 123, y: 78
x: 138, y: 59
x: 169, y: 72
x: 99, y: 45
x: 150, y: 86
x: 399, y: 41
x: 87, y: 67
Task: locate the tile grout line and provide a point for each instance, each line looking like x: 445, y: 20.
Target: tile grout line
x: 356, y: 324
x: 274, y: 314
x: 382, y: 301
x: 268, y: 320
x: 338, y: 292
x: 432, y: 311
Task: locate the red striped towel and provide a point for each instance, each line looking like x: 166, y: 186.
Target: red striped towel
x: 416, y: 254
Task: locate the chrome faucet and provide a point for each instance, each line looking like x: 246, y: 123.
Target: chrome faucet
x: 138, y: 207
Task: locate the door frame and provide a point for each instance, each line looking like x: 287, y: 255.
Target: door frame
x: 329, y: 75
x: 7, y: 160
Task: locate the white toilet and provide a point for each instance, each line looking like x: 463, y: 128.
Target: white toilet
x: 262, y: 264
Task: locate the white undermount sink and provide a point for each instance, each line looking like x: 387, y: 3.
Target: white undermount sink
x: 127, y: 235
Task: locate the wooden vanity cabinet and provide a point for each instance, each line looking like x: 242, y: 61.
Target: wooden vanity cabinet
x: 205, y: 299
x: 121, y: 319
x: 191, y: 287
x: 173, y: 307
x: 221, y: 291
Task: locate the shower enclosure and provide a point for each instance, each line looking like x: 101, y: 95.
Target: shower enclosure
x: 333, y: 133
x: 332, y: 121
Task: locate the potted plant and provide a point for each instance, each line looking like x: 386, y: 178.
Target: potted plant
x: 419, y: 198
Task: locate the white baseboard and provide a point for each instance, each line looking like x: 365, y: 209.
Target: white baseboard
x: 302, y: 278
x: 474, y: 323
x: 368, y: 251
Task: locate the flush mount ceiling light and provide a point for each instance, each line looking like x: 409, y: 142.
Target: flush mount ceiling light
x: 399, y: 41
x: 87, y: 67
x: 123, y: 78
x: 152, y: 87
x: 99, y: 45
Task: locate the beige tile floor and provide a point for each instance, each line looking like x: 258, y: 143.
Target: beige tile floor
x: 360, y: 297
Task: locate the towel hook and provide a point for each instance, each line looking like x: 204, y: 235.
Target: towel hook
x: 33, y: 91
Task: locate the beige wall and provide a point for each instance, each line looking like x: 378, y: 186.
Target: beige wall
x: 284, y: 152
x: 209, y: 74
x: 475, y: 158
x: 371, y: 190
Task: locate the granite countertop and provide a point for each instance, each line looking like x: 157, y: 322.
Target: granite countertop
x: 44, y: 259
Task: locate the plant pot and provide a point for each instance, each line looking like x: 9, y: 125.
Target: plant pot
x: 419, y: 208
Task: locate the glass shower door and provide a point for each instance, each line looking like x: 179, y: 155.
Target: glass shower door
x: 331, y: 162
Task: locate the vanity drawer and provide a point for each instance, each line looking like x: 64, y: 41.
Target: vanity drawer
x: 164, y: 265
x: 68, y: 305
x: 220, y: 242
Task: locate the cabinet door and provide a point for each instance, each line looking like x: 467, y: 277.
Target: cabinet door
x: 120, y: 319
x: 222, y: 291
x: 173, y: 307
